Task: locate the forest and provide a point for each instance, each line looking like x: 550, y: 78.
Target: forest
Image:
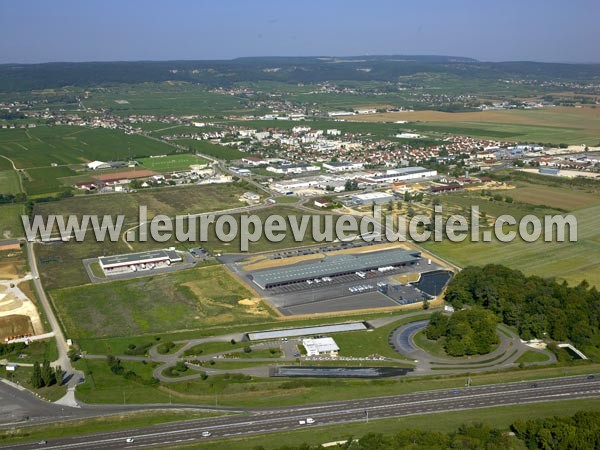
x: 24, y: 77
x: 468, y: 332
x: 536, y: 307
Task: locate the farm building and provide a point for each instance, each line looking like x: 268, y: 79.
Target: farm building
x: 320, y: 346
x: 118, y: 263
x: 333, y: 266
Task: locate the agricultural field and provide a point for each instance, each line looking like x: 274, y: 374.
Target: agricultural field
x: 548, y: 125
x: 163, y: 99
x: 44, y: 146
x: 210, y: 149
x: 10, y: 221
x: 170, y: 201
x: 46, y: 180
x: 570, y: 261
x: 171, y: 163
x: 9, y: 182
x: 183, y: 300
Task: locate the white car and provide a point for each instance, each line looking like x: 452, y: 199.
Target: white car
x: 130, y: 440
x: 310, y: 420
x: 206, y: 434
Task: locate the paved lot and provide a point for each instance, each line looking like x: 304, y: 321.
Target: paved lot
x: 372, y: 299
x: 335, y: 295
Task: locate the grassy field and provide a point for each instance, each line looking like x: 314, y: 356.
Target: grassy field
x: 163, y: 99
x: 98, y: 424
x: 210, y: 149
x: 106, y: 387
x: 171, y: 163
x: 9, y: 182
x: 571, y: 261
x: 43, y: 146
x: 170, y: 201
x: 531, y: 357
x: 46, y: 180
x: 10, y: 220
x: 183, y: 300
x: 549, y: 125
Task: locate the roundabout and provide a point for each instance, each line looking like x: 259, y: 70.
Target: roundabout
x: 506, y: 355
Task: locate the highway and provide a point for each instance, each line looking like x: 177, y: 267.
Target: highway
x: 286, y: 419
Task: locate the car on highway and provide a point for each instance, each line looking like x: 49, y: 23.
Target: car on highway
x: 591, y: 377
x: 206, y: 434
x: 42, y: 442
x: 130, y: 440
x: 310, y: 420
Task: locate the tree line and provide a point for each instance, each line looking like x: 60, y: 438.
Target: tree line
x: 44, y: 375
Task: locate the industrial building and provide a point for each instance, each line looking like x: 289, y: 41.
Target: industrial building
x: 342, y: 166
x: 332, y: 266
x: 135, y: 261
x: 369, y: 198
x: 306, y: 331
x: 402, y: 174
x: 320, y: 346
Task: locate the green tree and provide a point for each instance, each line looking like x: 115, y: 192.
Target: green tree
x: 36, y: 376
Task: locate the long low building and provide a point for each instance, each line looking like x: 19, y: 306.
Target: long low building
x: 136, y: 259
x: 306, y: 331
x: 333, y: 266
x: 402, y: 174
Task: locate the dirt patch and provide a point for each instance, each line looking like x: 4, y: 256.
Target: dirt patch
x: 253, y: 305
x: 15, y: 325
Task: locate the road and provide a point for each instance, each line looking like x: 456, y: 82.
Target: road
x: 286, y: 419
x: 63, y: 360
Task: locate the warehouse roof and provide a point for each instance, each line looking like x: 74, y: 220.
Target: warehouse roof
x: 136, y: 258
x: 307, y: 331
x: 332, y: 265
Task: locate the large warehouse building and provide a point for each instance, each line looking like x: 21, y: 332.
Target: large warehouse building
x: 131, y: 260
x: 333, y: 266
x: 403, y: 174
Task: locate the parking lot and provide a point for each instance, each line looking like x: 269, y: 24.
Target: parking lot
x: 374, y: 289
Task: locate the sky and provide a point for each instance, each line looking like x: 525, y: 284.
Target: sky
x: 488, y: 30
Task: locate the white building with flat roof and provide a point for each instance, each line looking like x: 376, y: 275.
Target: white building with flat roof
x: 320, y: 346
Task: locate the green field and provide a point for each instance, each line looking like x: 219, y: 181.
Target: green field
x: 46, y: 180
x: 571, y: 261
x: 162, y: 99
x: 170, y: 201
x: 210, y: 149
x: 10, y: 220
x: 44, y: 145
x: 171, y: 163
x: 182, y: 300
x: 532, y: 357
x: 9, y: 182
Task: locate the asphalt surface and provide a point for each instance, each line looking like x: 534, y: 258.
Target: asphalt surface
x: 284, y: 419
